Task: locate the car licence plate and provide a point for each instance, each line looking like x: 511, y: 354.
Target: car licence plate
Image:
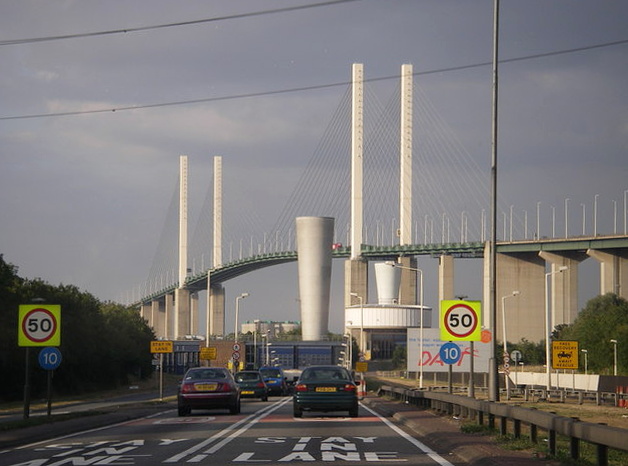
x: 205, y: 387
x: 326, y: 389
x: 247, y: 392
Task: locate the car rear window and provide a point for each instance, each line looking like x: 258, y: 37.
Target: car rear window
x: 324, y: 374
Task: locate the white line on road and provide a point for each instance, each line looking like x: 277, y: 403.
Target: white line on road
x: 420, y: 445
x: 248, y: 422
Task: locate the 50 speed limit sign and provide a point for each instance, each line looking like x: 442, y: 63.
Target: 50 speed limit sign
x: 39, y: 325
x: 460, y: 320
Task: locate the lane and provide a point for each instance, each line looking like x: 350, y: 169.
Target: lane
x: 263, y: 433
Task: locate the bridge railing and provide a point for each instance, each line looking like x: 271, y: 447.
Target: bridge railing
x: 603, y: 437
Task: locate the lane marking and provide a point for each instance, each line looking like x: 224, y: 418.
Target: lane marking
x: 420, y: 445
x: 249, y: 419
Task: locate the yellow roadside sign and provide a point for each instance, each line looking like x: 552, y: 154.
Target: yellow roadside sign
x: 564, y: 354
x: 361, y: 366
x: 208, y: 352
x: 161, y: 346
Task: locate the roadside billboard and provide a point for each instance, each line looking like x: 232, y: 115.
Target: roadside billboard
x: 431, y: 359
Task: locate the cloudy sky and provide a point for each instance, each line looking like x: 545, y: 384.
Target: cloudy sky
x: 85, y: 190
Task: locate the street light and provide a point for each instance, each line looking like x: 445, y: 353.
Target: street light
x: 362, y: 348
x: 586, y: 361
x: 614, y: 342
x: 419, y: 272
x: 237, y: 311
x: 513, y: 294
x: 548, y: 325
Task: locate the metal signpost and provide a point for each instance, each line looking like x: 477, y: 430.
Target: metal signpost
x: 38, y: 325
x: 49, y: 359
x: 161, y: 347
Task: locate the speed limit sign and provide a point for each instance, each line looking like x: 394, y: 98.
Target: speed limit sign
x: 460, y: 320
x: 39, y: 325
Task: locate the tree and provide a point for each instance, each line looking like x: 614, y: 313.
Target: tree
x: 604, y: 318
x: 399, y: 357
x: 102, y: 344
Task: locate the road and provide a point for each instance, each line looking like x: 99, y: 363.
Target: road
x: 263, y: 433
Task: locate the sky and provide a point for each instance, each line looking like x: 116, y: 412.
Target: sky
x: 85, y: 190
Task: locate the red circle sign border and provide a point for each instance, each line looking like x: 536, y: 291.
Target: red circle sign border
x: 53, y: 330
x: 475, y: 324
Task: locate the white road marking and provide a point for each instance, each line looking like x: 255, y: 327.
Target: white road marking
x: 420, y: 445
x: 248, y: 422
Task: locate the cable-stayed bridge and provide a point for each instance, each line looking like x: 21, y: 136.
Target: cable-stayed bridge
x: 448, y: 211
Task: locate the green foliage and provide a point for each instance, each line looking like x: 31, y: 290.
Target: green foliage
x: 102, y: 344
x: 604, y: 318
x: 532, y: 354
x: 399, y: 357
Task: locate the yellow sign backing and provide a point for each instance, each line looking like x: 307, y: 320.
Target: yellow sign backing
x: 565, y: 354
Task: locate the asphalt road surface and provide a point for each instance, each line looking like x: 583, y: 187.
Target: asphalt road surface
x: 263, y: 433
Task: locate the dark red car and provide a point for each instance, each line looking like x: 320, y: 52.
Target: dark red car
x: 208, y: 388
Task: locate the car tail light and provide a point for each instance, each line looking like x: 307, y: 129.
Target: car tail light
x: 301, y: 387
x: 260, y: 385
x: 224, y: 387
x: 187, y: 388
x: 349, y: 387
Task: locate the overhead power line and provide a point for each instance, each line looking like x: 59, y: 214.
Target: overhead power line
x: 33, y: 40
x: 306, y: 88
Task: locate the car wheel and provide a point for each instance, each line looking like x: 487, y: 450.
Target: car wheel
x: 265, y: 398
x: 353, y: 412
x: 296, y: 411
x: 183, y: 410
x: 235, y: 408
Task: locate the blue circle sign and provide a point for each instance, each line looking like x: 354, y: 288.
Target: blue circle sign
x: 49, y: 358
x: 450, y: 353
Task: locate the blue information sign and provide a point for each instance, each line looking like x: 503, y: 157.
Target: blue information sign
x: 450, y: 353
x: 49, y: 358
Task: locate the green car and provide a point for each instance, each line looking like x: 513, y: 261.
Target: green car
x: 325, y: 388
x: 252, y: 385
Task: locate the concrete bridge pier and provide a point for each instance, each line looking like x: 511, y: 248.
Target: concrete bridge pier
x: 182, y: 321
x: 356, y: 281
x: 564, y: 285
x: 146, y: 313
x: 525, y: 313
x: 215, y: 310
x: 158, y: 317
x: 445, y: 277
x: 613, y: 271
x: 409, y: 284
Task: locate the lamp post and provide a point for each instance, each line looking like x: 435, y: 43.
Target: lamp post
x: 513, y: 294
x: 419, y: 273
x: 586, y: 361
x: 236, y: 364
x: 548, y: 325
x: 237, y: 311
x: 566, y: 216
x: 362, y: 348
x: 614, y: 342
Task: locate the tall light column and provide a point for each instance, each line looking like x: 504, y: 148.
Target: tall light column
x: 237, y: 312
x: 513, y: 294
x: 614, y: 342
x: 548, y: 325
x: 362, y: 348
x: 419, y: 273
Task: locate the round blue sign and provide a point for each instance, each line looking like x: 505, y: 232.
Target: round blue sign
x: 450, y: 353
x: 49, y: 358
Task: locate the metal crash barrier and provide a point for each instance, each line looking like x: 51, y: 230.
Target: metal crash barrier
x: 603, y: 437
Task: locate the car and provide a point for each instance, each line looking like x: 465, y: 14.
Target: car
x: 208, y: 388
x: 275, y: 380
x: 325, y: 388
x: 251, y: 385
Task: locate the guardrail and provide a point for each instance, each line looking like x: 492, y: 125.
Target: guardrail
x: 603, y: 437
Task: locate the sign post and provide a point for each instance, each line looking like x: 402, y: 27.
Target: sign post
x: 460, y: 321
x: 160, y: 347
x: 38, y: 325
x: 49, y: 359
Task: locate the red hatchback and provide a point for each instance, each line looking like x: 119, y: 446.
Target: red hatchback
x: 208, y: 388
